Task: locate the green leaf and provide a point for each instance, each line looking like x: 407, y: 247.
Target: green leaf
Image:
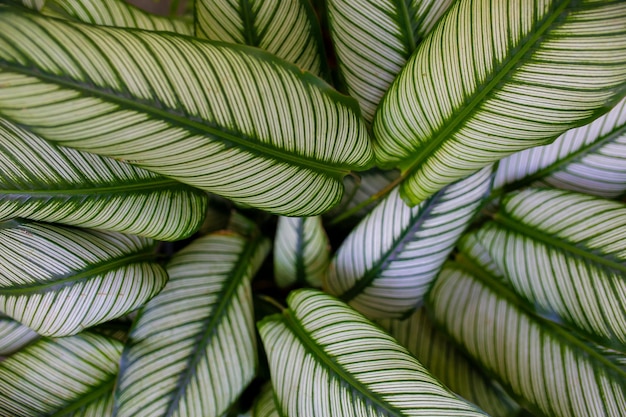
x: 590, y: 160
x: 231, y: 120
x: 45, y: 182
x: 387, y: 263
x: 361, y: 189
x: 439, y: 355
x: 14, y: 336
x: 328, y: 360
x: 34, y: 4
x: 192, y: 350
x: 60, y: 280
x: 373, y: 40
x: 565, y: 253
x: 496, y: 78
x: 540, y: 364
x: 286, y: 28
x: 264, y: 405
x: 70, y: 376
x: 114, y: 13
x: 301, y: 251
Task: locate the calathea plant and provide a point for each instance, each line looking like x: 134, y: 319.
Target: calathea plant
x: 219, y: 213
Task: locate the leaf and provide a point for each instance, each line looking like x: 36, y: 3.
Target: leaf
x: 496, y: 78
x: 34, y: 4
x: 374, y: 39
x: 14, y: 336
x: 387, y: 263
x: 60, y: 280
x: 590, y: 160
x: 301, y: 251
x: 545, y: 367
x: 264, y: 405
x: 326, y: 359
x: 228, y: 119
x: 114, y: 13
x: 564, y: 252
x: 439, y: 355
x: 192, y: 350
x: 287, y: 28
x: 45, y: 182
x: 59, y: 377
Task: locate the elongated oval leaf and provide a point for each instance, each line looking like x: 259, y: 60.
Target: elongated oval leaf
x: 286, y: 28
x: 59, y: 280
x: 42, y: 181
x: 228, y: 119
x: 495, y: 78
x: 565, y: 253
x: 14, y: 336
x: 590, y: 159
x: 439, y: 355
x: 34, y: 4
x: 114, y: 13
x: 387, y: 263
x: 58, y: 377
x: 549, y: 370
x: 373, y: 40
x: 264, y: 405
x: 192, y: 350
x: 328, y: 360
x: 301, y: 251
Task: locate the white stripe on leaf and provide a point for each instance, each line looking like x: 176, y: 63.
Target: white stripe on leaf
x: 60, y: 280
x: 328, y: 360
x: 14, y: 336
x: 385, y: 266
x: 192, y: 350
x: 496, y: 77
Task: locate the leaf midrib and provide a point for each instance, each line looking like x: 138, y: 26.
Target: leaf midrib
x: 143, y: 188
x: 102, y: 389
x: 90, y: 272
x: 227, y: 138
x: 449, y: 127
x: 578, y: 251
x: 330, y: 364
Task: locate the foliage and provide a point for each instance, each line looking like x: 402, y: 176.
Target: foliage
x: 448, y: 176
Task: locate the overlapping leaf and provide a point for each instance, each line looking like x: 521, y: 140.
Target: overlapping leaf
x: 192, y: 349
x: 439, y: 355
x: 565, y: 253
x: 544, y: 366
x: 228, y: 119
x: 57, y: 377
x: 590, y: 159
x: 14, y: 336
x: 114, y: 13
x: 494, y: 78
x: 287, y: 28
x: 264, y: 405
x: 328, y: 360
x: 373, y: 40
x: 386, y: 264
x: 45, y: 182
x: 59, y: 280
x: 301, y: 251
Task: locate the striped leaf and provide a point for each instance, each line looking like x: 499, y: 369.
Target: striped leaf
x: 231, y: 120
x: 373, y: 40
x: 14, y: 336
x: 34, y: 4
x: 286, y: 28
x: 301, y: 251
x: 387, y: 263
x: 494, y: 78
x: 70, y: 376
x: 59, y: 280
x: 470, y: 245
x: 565, y: 253
x: 328, y: 360
x: 549, y: 370
x: 439, y: 355
x: 114, y: 13
x: 264, y: 405
x: 192, y: 350
x: 45, y: 182
x: 590, y: 159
